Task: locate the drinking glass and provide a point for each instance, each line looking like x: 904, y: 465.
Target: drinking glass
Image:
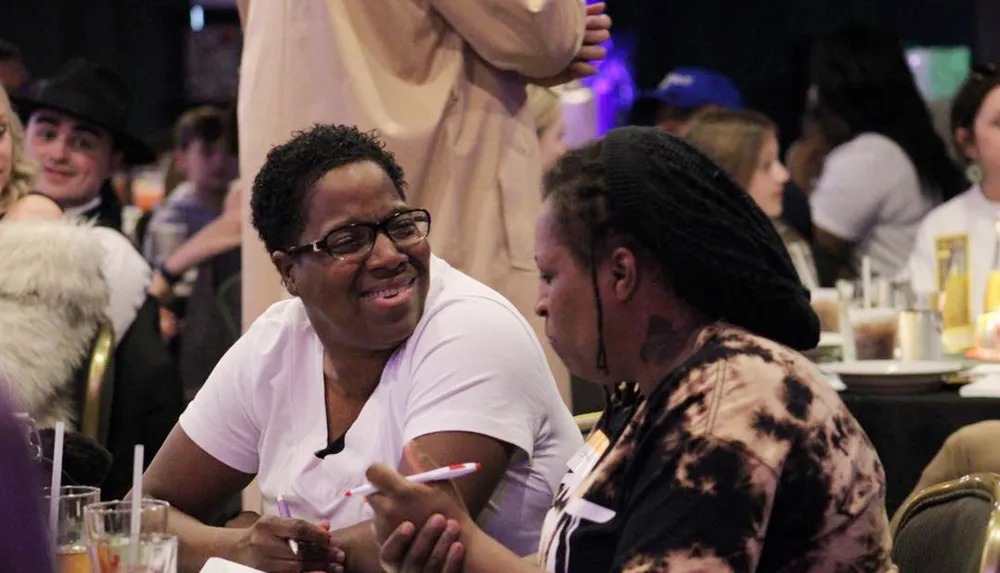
x: 70, y: 539
x: 109, y: 529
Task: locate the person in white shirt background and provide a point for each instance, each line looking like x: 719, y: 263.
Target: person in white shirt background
x: 383, y: 344
x: 975, y: 122
x: 888, y: 167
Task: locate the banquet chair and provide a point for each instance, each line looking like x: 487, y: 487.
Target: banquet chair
x: 953, y: 526
x: 98, y: 386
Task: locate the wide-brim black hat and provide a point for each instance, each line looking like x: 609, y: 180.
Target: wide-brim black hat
x: 93, y: 93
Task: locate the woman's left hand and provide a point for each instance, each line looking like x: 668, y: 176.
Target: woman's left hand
x: 399, y: 500
x: 433, y: 549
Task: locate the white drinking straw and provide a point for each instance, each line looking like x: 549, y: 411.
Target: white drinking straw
x: 866, y: 282
x: 136, y: 521
x: 56, y: 483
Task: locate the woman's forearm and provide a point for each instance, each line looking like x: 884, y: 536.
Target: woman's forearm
x: 197, y: 541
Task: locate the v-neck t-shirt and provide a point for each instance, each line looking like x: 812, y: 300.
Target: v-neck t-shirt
x: 472, y: 365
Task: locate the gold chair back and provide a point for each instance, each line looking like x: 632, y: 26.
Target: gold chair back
x: 975, y: 484
x: 99, y: 386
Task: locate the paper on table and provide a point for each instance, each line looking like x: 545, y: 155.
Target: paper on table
x: 986, y: 387
x: 216, y: 565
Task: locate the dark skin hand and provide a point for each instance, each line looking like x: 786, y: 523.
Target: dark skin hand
x: 263, y: 544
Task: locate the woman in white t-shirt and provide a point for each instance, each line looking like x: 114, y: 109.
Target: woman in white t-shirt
x: 972, y: 216
x: 382, y: 344
x: 888, y: 167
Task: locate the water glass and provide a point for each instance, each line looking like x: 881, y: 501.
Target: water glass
x: 109, y: 529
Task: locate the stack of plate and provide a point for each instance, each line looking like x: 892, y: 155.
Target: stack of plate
x: 892, y: 376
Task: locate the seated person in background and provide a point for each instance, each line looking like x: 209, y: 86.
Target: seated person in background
x: 78, y: 136
x: 77, y: 133
x: 685, y: 93
x: 205, y: 156
x: 219, y: 236
x: 741, y: 456
x: 970, y: 450
x: 973, y: 215
x: 745, y: 145
x: 383, y: 344
x: 887, y: 169
x: 14, y: 74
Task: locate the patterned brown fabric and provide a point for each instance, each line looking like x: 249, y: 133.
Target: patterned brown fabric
x: 743, y: 459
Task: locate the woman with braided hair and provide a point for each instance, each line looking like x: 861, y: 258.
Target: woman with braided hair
x: 736, y: 455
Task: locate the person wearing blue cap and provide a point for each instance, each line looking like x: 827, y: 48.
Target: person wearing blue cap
x: 688, y: 90
x: 682, y: 93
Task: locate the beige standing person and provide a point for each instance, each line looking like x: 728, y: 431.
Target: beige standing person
x: 443, y: 84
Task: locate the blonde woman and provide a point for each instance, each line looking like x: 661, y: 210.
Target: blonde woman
x: 745, y: 145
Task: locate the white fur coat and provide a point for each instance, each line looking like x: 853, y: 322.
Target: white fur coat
x: 53, y: 296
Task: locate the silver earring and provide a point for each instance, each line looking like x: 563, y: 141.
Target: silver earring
x: 974, y: 173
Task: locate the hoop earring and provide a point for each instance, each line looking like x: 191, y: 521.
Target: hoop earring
x: 974, y: 173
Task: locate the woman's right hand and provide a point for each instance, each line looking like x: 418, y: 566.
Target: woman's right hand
x: 264, y: 545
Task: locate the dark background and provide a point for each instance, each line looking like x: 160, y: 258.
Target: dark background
x: 761, y: 44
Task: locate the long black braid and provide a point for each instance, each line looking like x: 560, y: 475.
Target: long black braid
x: 720, y: 251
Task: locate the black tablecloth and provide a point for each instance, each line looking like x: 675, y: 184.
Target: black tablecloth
x: 907, y: 430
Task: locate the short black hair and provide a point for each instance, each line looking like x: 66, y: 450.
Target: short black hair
x: 282, y: 187
x: 969, y: 100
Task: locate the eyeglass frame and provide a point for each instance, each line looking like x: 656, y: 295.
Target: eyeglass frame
x: 378, y: 227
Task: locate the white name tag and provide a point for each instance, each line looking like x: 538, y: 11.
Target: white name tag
x: 590, y: 511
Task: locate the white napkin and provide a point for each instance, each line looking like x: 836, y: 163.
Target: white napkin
x: 983, y: 370
x: 986, y: 387
x: 216, y: 565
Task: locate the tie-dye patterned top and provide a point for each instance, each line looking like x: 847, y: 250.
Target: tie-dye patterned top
x: 743, y: 459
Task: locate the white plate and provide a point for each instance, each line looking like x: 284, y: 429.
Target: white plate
x: 892, y: 376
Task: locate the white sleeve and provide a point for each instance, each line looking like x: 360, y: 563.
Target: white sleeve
x: 478, y: 368
x: 849, y: 193
x: 128, y: 277
x: 222, y: 419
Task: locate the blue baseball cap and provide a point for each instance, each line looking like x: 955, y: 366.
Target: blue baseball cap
x: 697, y: 87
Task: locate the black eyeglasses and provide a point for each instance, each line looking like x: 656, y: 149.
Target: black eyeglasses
x: 355, y: 241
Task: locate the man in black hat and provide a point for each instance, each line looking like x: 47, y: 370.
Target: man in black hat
x: 77, y: 133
